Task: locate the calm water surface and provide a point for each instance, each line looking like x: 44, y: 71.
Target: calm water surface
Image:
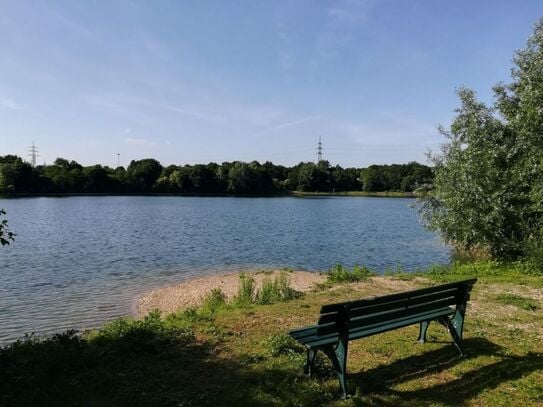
x: 80, y: 261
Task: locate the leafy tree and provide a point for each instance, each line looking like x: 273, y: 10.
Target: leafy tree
x: 488, y: 187
x: 142, y: 174
x: 5, y: 234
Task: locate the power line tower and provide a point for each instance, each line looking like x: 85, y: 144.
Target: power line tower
x: 33, y: 153
x: 319, y: 151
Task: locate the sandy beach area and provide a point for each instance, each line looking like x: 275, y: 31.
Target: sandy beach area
x: 190, y: 293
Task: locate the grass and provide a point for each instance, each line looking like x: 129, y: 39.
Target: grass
x: 341, y: 274
x: 272, y: 290
x: 242, y: 356
x: 518, y: 301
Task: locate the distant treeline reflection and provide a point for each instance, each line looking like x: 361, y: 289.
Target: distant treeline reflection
x: 149, y: 176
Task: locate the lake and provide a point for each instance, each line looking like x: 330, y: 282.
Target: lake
x: 80, y: 261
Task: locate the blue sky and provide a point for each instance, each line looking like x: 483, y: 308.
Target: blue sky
x: 201, y: 81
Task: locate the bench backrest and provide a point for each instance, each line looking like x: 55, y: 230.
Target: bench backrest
x: 371, y: 311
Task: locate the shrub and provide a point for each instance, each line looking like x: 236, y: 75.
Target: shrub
x: 212, y: 301
x: 340, y: 274
x: 276, y: 290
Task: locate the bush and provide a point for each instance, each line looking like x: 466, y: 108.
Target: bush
x: 212, y: 301
x: 276, y: 290
x: 340, y: 274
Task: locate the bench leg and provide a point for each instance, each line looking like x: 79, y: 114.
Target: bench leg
x: 422, y: 332
x: 310, y: 364
x: 455, y: 325
x: 338, y: 356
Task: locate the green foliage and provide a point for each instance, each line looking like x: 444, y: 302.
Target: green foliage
x: 488, y: 187
x: 147, y: 333
x: 341, y: 274
x: 396, y: 177
x: 213, y: 301
x: 246, y: 290
x: 5, y: 234
x: 282, y: 344
x: 239, y: 178
x: 518, y: 301
x: 271, y: 291
x: 276, y: 290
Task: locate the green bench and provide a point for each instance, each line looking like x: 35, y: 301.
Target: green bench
x: 343, y: 322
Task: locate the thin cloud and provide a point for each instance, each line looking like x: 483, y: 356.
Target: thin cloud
x: 285, y: 125
x: 199, y: 114
x: 140, y: 142
x: 295, y: 122
x: 10, y: 104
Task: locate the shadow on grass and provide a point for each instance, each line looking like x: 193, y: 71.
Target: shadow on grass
x: 138, y: 367
x: 378, y: 383
x: 155, y: 366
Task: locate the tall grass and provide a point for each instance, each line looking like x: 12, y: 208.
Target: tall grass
x: 246, y: 291
x: 341, y: 274
x: 213, y: 301
x: 276, y: 290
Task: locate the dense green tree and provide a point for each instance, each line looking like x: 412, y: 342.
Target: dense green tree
x: 142, y: 174
x: 65, y: 176
x: 489, y: 175
x: 15, y: 175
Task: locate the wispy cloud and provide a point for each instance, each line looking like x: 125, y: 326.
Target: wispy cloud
x: 284, y: 125
x: 295, y: 122
x: 140, y: 142
x: 201, y: 114
x: 10, y: 104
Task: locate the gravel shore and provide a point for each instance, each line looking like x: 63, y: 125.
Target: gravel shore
x: 189, y: 293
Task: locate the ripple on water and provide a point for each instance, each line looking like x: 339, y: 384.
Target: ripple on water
x: 80, y: 261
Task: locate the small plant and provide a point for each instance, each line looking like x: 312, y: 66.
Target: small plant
x: 282, y: 344
x: 212, y: 301
x: 268, y: 293
x: 518, y: 301
x: 246, y: 290
x: 340, y: 274
x: 276, y: 290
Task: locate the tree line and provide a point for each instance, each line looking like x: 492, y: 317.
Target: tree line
x: 238, y: 178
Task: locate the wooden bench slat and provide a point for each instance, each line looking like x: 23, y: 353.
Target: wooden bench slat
x: 391, y: 297
x: 368, y: 331
x: 392, y: 315
x: 356, y: 333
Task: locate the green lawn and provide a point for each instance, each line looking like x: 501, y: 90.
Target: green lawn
x: 241, y: 356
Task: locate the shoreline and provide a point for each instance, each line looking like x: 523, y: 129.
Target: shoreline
x: 284, y: 194
x: 189, y: 293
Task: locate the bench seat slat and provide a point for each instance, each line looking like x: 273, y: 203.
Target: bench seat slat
x: 392, y: 297
x: 392, y: 315
x: 367, y: 331
x: 331, y: 337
